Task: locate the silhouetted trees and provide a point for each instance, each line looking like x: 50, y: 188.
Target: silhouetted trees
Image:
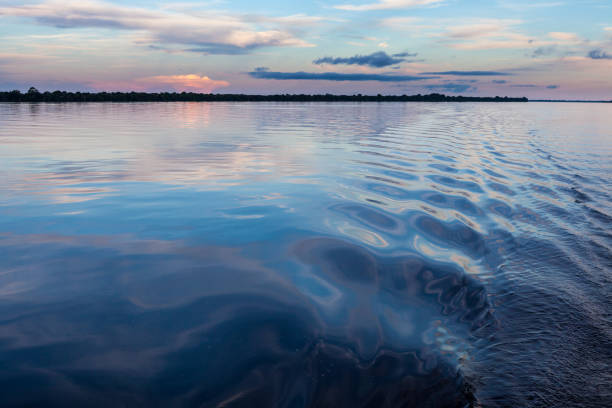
x: 33, y: 95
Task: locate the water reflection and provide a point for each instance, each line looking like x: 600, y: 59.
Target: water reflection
x: 304, y: 254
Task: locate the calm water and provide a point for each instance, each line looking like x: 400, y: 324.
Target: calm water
x: 306, y: 255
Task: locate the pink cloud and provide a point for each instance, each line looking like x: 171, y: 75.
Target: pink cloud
x: 179, y: 83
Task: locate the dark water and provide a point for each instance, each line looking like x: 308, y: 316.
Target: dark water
x: 306, y: 255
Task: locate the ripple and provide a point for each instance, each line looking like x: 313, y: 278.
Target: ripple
x: 456, y: 183
x: 305, y: 255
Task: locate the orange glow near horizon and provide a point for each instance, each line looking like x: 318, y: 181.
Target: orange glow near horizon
x: 179, y: 83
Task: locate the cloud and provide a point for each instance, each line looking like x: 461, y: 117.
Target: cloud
x: 402, y: 23
x: 552, y: 87
x: 599, y: 55
x: 179, y: 83
x: 386, y: 4
x: 524, y: 86
x: 190, y: 82
x: 22, y: 59
x: 405, y: 54
x: 565, y: 37
x: 544, y: 51
x: 292, y: 20
x: 451, y: 87
x: 485, y: 34
x: 478, y: 30
x: 378, y: 60
x: 499, y: 81
x: 206, y: 32
x: 490, y: 34
x: 468, y: 73
x: 263, y: 73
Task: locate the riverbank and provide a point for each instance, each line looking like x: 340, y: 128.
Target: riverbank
x: 62, y: 96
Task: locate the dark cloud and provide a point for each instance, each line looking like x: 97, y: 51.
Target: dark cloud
x: 599, y: 54
x: 220, y: 49
x: 468, y: 73
x: 533, y: 86
x: 465, y: 81
x: 206, y: 49
x: 543, y: 51
x: 333, y: 76
x: 451, y: 87
x: 405, y: 55
x: 500, y: 81
x: 377, y: 59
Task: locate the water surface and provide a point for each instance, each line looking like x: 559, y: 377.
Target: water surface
x: 305, y: 255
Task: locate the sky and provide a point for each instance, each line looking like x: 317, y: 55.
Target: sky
x: 545, y: 49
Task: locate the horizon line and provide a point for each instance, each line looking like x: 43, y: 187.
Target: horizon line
x: 33, y: 93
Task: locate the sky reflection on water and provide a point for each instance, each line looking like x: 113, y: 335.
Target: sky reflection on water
x: 305, y: 254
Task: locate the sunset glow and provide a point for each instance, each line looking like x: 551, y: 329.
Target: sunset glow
x: 558, y: 49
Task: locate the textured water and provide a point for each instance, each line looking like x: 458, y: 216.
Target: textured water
x: 306, y: 255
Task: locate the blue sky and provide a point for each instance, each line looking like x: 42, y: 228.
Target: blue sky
x: 539, y: 48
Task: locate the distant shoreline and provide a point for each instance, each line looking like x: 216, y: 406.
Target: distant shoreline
x: 62, y: 96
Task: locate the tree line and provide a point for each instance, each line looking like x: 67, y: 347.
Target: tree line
x: 33, y: 95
